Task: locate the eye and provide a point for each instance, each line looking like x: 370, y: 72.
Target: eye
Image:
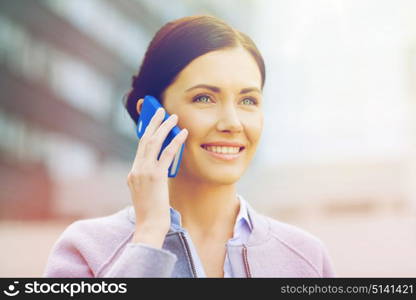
x: 202, y: 99
x: 249, y: 101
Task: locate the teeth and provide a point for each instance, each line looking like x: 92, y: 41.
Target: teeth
x: 223, y: 149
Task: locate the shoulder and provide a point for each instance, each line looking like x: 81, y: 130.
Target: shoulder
x: 300, y: 244
x: 90, y: 243
x: 294, y: 236
x: 291, y: 236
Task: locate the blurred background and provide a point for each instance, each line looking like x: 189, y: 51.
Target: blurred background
x: 338, y: 152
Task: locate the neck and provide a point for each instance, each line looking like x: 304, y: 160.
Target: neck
x: 206, y: 208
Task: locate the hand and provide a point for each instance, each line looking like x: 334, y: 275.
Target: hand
x: 148, y: 179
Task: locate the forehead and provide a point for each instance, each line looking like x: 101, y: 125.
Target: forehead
x: 234, y: 67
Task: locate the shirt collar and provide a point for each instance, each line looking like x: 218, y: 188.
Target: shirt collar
x: 175, y: 219
x: 242, y: 217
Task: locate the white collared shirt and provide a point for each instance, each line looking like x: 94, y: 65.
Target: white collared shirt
x: 242, y: 230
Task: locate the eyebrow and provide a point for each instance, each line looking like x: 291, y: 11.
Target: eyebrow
x: 218, y: 90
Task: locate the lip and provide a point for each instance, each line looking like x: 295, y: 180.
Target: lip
x: 224, y: 143
x: 228, y: 156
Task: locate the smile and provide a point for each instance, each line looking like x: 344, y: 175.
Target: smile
x: 223, y: 152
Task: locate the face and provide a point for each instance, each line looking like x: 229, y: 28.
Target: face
x: 217, y: 97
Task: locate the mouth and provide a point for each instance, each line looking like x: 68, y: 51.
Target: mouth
x: 223, y: 152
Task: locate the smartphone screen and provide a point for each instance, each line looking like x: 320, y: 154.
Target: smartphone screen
x: 149, y: 108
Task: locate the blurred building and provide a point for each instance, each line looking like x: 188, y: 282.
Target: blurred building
x: 66, y: 141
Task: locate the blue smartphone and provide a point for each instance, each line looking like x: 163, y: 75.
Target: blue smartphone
x: 149, y: 107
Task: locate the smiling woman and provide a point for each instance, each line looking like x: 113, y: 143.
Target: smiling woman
x: 209, y: 77
x: 221, y: 108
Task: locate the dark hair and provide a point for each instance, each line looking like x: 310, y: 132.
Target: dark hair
x: 175, y: 45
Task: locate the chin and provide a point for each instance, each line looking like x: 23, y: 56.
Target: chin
x: 213, y: 175
x: 223, y: 179
x: 219, y: 175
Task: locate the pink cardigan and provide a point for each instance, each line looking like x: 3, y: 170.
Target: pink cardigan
x: 102, y: 247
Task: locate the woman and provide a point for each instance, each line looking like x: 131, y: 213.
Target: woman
x: 209, y: 78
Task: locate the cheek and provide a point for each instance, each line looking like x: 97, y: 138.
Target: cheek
x: 196, y: 124
x: 254, y: 128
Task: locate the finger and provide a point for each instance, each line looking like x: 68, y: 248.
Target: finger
x: 154, y: 123
x: 170, y: 151
x: 154, y: 144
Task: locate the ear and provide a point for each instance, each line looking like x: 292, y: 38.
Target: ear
x: 139, y: 105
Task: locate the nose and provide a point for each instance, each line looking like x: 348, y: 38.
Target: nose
x: 228, y: 120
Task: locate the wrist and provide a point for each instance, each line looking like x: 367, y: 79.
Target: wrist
x: 150, y: 235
